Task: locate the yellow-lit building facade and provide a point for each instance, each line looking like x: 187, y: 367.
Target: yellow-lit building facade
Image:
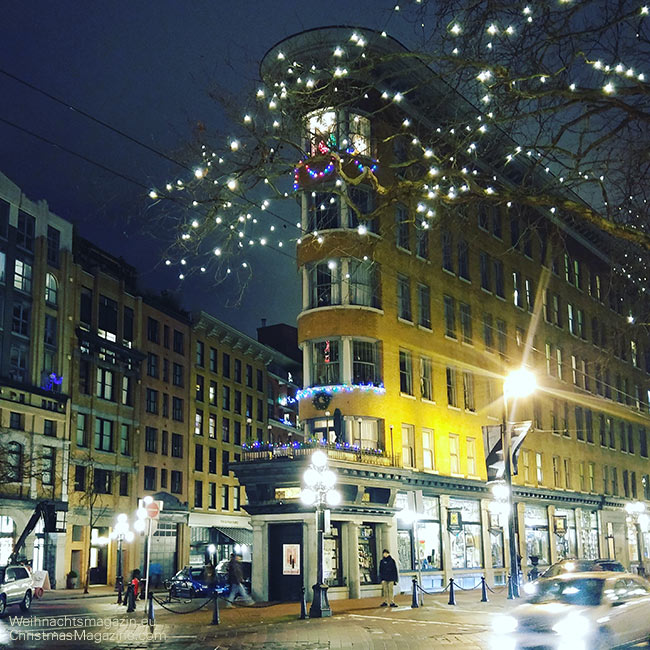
x: 408, y: 329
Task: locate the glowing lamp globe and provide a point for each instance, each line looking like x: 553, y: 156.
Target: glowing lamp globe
x: 147, y: 500
x: 141, y: 513
x: 311, y: 477
x: 122, y: 518
x: 129, y: 536
x: 329, y: 479
x: 139, y: 525
x: 333, y: 498
x: 319, y: 459
x: 308, y: 497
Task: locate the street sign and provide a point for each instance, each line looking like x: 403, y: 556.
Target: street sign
x: 153, y: 510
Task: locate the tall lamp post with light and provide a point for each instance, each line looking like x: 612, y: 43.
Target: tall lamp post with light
x: 319, y: 491
x: 640, y: 519
x: 518, y: 384
x: 122, y: 533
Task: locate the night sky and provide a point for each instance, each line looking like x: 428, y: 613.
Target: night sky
x: 145, y: 68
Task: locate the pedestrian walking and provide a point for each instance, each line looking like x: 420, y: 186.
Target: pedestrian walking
x: 388, y: 577
x: 236, y: 579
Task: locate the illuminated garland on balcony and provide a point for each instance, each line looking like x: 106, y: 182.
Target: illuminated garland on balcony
x: 311, y: 443
x: 312, y: 391
x: 315, y: 174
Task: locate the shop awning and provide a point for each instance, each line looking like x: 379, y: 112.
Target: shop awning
x: 237, y: 535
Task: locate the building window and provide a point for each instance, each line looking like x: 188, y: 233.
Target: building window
x: 408, y: 445
x: 198, y: 458
x: 486, y: 279
x: 471, y: 457
x: 424, y: 306
x: 79, y: 478
x: 402, y: 227
x: 363, y: 283
x: 200, y: 349
x: 20, y: 319
x: 212, y: 426
x: 212, y: 460
x: 225, y: 462
x: 454, y: 453
x: 225, y: 365
x: 465, y: 322
x: 499, y: 281
x: 49, y: 428
x: 225, y: 398
x: 539, y: 470
x: 463, y: 259
x: 502, y: 337
x: 151, y: 440
x: 51, y: 289
x: 404, y: 297
x: 14, y: 461
x: 365, y: 362
x: 212, y: 496
x: 85, y: 308
x: 325, y: 369
x: 103, y: 481
x: 447, y: 252
x: 452, y: 397
x: 179, y: 342
x: 237, y: 404
x: 107, y: 320
x: 198, y: 423
x: 322, y: 211
x: 422, y: 242
x: 405, y: 372
x: 488, y: 332
x: 149, y: 478
x: 124, y: 484
x: 449, y: 308
x: 176, y: 485
x: 177, y: 445
x: 177, y: 375
x: 82, y: 430
x: 164, y: 446
x: 428, y: 450
x: 225, y: 497
x: 199, y: 388
x: 517, y: 296
x: 152, y: 365
x: 125, y: 440
x: 53, y: 245
x: 177, y: 409
x: 468, y: 391
x: 426, y: 379
x: 103, y: 434
x: 236, y: 498
x: 152, y: 401
x: 25, y: 231
x: 214, y: 356
x: 127, y: 395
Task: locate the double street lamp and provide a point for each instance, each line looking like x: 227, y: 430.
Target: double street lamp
x: 122, y: 533
x: 319, y: 491
x: 518, y: 384
x: 638, y: 516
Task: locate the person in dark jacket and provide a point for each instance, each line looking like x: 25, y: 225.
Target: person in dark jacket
x: 388, y: 577
x: 236, y: 579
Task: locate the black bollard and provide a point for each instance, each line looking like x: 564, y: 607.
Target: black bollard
x: 119, y: 594
x: 452, y: 592
x: 130, y: 598
x: 303, y: 605
x: 511, y: 594
x: 484, y: 596
x: 216, y: 620
x: 151, y: 617
x: 414, y: 596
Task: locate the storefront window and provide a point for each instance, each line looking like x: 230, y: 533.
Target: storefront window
x: 589, y: 535
x: 332, y: 556
x: 564, y: 527
x: 537, y: 540
x: 367, y: 554
x: 427, y: 530
x: 466, y: 544
x: 496, y: 548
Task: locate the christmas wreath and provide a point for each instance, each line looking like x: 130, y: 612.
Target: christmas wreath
x: 321, y: 400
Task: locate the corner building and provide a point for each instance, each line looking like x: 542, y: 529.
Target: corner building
x: 409, y: 327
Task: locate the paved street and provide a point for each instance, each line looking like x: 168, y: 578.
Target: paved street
x: 100, y: 623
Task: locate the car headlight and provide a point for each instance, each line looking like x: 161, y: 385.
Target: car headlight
x: 573, y: 625
x: 504, y: 624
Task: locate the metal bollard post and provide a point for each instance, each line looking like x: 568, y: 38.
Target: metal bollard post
x: 130, y: 599
x: 151, y: 617
x: 511, y: 593
x: 303, y: 605
x: 484, y: 596
x: 119, y: 593
x: 414, y: 596
x: 216, y: 620
x: 452, y: 592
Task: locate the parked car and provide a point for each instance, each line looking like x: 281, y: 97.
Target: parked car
x: 192, y: 581
x: 16, y: 587
x: 597, y: 610
x: 572, y: 565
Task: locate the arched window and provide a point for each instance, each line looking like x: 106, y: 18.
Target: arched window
x: 14, y: 461
x: 51, y: 289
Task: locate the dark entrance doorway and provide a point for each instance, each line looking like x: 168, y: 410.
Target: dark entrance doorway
x: 284, y: 585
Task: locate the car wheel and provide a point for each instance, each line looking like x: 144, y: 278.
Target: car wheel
x: 27, y: 601
x: 3, y: 604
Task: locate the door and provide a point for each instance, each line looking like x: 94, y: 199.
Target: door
x: 286, y: 562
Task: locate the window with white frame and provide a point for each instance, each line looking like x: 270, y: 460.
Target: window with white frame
x: 405, y: 372
x: 452, y: 394
x: 404, y: 297
x: 363, y: 283
x: 468, y: 391
x: 359, y: 134
x: 402, y: 227
x: 471, y: 457
x: 408, y: 445
x: 454, y: 453
x: 365, y: 362
x: 428, y: 450
x: 323, y: 211
x: 51, y: 289
x: 424, y: 305
x: 360, y: 204
x: 324, y: 284
x: 426, y: 379
x: 325, y: 363
x: 321, y: 127
x: 22, y: 276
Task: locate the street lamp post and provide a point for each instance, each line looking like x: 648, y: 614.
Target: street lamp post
x: 519, y: 383
x: 121, y: 533
x: 320, y: 481
x: 638, y: 516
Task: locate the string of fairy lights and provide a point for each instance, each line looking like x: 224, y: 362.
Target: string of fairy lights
x: 224, y: 196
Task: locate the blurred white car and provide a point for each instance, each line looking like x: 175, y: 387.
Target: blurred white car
x: 16, y: 587
x: 598, y: 610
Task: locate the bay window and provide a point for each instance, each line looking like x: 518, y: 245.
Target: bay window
x: 364, y: 362
x: 324, y: 284
x: 325, y: 370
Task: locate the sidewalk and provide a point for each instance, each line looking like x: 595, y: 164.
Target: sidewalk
x: 97, y: 591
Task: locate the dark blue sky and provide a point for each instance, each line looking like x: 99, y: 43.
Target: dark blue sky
x: 145, y: 67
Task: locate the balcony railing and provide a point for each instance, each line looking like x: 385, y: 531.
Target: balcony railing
x: 349, y: 453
